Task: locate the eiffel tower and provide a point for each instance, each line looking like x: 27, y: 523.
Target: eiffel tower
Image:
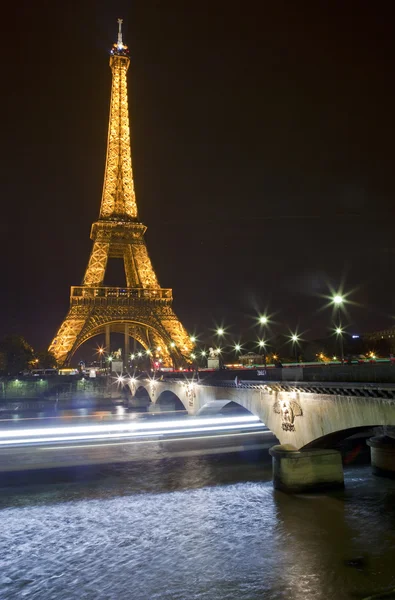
x: 143, y: 309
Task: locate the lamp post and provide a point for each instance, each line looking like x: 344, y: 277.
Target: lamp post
x: 295, y: 339
x: 203, y: 354
x: 339, y: 333
x: 109, y: 364
x: 262, y: 344
x: 101, y: 351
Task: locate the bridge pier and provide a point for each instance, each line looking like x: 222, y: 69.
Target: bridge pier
x: 297, y: 471
x: 382, y: 453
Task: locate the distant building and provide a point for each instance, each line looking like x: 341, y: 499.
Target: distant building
x: 384, y: 338
x: 250, y: 358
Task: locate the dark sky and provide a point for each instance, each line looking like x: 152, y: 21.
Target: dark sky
x: 263, y: 152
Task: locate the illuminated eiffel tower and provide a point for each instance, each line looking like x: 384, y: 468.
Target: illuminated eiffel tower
x: 142, y: 310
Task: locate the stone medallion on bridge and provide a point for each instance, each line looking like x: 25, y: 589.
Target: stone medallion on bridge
x: 190, y: 393
x: 288, y: 409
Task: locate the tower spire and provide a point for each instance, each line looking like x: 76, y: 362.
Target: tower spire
x: 118, y: 199
x: 120, y: 42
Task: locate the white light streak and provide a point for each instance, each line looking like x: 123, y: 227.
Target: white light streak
x: 130, y: 434
x: 114, y: 430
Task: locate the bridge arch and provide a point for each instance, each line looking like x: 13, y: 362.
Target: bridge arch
x: 169, y: 401
x: 142, y: 396
x: 309, y: 421
x: 224, y: 406
x: 330, y: 440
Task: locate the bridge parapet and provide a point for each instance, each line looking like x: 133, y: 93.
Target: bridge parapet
x: 369, y: 390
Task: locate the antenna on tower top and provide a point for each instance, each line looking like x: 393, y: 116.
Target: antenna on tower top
x: 120, y: 42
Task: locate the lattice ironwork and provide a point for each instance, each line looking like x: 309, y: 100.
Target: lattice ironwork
x: 143, y: 304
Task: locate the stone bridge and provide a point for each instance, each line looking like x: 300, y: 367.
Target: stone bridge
x: 307, y: 419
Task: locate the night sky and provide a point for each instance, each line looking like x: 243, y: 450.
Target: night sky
x: 262, y: 146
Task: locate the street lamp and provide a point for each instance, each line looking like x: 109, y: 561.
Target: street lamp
x: 295, y: 339
x: 339, y: 333
x: 263, y: 320
x: 220, y: 331
x: 101, y: 352
x: 262, y: 344
x: 338, y: 300
x: 193, y: 339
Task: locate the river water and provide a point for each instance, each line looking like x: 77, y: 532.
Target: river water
x: 199, y: 528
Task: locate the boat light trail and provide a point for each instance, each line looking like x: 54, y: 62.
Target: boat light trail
x: 126, y: 430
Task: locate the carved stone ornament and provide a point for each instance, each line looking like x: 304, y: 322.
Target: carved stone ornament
x: 190, y: 393
x: 288, y: 409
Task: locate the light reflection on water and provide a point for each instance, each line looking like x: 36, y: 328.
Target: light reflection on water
x: 198, y: 528
x: 202, y: 528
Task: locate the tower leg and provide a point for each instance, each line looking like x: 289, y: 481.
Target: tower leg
x: 127, y: 347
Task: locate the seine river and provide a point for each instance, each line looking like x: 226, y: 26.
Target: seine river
x: 198, y: 528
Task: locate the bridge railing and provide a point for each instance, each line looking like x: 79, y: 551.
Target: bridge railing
x: 366, y: 390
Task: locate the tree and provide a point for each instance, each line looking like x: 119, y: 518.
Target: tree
x: 45, y: 360
x: 16, y: 354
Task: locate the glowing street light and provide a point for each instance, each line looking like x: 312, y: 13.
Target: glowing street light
x: 101, y: 352
x: 262, y: 344
x: 172, y: 345
x: 263, y: 320
x: 339, y: 333
x: 203, y: 353
x: 220, y: 331
x: 338, y: 300
x: 148, y: 352
x: 193, y: 356
x: 193, y: 339
x: 295, y: 339
x: 237, y: 347
x: 139, y: 354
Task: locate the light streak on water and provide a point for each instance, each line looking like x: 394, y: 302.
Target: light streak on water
x: 127, y: 430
